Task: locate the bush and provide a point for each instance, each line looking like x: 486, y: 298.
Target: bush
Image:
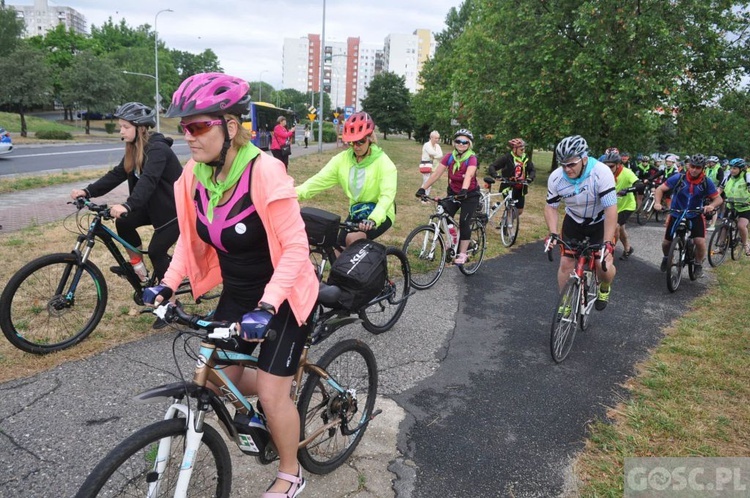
x: 53, y: 135
x: 329, y: 132
x: 110, y: 127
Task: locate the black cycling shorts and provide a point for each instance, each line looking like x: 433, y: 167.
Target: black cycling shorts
x: 623, y: 217
x: 518, y: 196
x: 697, y: 227
x: 574, y: 231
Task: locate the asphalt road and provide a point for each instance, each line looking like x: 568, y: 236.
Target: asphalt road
x: 480, y: 408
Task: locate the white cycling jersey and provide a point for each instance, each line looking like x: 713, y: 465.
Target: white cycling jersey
x: 585, y: 197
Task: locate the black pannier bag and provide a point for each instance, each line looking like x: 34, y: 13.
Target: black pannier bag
x: 360, y: 272
x: 321, y: 226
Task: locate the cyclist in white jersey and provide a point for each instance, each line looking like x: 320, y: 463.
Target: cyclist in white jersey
x: 588, y: 189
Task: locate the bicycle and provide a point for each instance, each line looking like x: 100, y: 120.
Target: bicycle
x: 577, y: 297
x: 509, y: 221
x: 726, y: 236
x: 429, y: 246
x: 382, y: 312
x: 646, y: 210
x: 681, y: 251
x: 335, y: 398
x: 56, y: 301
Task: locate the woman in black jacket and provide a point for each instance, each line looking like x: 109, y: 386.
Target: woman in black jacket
x: 151, y: 168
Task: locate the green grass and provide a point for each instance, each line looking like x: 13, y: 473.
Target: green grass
x: 16, y: 184
x: 12, y: 123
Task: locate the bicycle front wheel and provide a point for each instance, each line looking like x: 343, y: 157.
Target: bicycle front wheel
x: 509, y: 226
x: 382, y: 315
x: 675, y: 261
x: 475, y: 252
x: 563, y: 330
x: 646, y: 210
x: 42, y: 311
x: 592, y: 290
x: 736, y: 245
x: 131, y: 468
x: 334, y: 421
x: 718, y: 246
x: 425, y: 251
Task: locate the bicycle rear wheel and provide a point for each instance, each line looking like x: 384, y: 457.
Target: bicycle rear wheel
x: 675, y: 261
x: 718, y: 245
x: 129, y: 469
x: 383, y: 314
x: 326, y: 414
x: 475, y: 252
x: 426, y: 254
x: 39, y: 311
x: 509, y: 226
x: 563, y: 330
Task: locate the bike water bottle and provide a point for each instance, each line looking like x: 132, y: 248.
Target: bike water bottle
x: 454, y: 234
x: 140, y: 270
x: 253, y: 434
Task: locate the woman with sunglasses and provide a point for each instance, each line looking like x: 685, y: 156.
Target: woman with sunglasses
x: 150, y: 168
x: 463, y: 188
x: 240, y: 226
x: 367, y: 175
x: 514, y: 165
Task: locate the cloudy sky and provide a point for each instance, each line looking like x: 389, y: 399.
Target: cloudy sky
x: 248, y: 35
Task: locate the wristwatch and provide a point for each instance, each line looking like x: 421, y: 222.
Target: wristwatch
x: 267, y: 307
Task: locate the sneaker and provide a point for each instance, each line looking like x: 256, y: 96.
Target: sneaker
x: 159, y: 324
x: 460, y: 259
x: 564, y: 311
x: 698, y: 271
x: 663, y: 267
x: 747, y: 249
x: 602, y: 298
x: 117, y: 270
x: 627, y: 254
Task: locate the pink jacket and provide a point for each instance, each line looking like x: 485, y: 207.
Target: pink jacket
x: 280, y: 136
x: 275, y: 200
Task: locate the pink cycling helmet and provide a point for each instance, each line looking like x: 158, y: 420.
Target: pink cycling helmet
x: 358, y: 126
x: 210, y: 93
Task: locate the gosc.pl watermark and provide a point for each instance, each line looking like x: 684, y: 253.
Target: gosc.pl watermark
x: 664, y: 477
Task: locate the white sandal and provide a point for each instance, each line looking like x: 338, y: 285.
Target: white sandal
x: 297, y: 484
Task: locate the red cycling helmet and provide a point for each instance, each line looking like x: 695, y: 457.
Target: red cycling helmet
x: 358, y: 126
x: 516, y: 142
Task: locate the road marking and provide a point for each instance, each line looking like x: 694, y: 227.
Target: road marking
x: 119, y: 149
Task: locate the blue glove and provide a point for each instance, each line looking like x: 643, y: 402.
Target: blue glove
x: 151, y: 293
x: 255, y: 325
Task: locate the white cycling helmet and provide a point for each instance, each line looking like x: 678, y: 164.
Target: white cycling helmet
x: 570, y: 147
x: 712, y: 159
x: 672, y: 157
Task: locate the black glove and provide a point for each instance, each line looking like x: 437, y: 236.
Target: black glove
x: 461, y: 195
x: 151, y: 293
x: 421, y: 193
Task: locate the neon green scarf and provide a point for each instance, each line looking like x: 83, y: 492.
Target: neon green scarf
x: 457, y: 160
x: 204, y: 173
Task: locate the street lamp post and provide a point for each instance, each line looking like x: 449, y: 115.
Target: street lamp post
x: 322, y: 63
x: 260, y: 88
x: 156, y: 65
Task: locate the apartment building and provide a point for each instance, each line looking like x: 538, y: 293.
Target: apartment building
x: 41, y: 18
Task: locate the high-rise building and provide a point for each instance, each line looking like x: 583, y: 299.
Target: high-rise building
x: 406, y: 54
x: 41, y: 18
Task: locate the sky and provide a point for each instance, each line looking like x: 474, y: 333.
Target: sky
x: 248, y: 35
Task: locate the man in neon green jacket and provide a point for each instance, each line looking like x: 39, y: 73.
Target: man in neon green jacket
x: 624, y: 180
x: 737, y: 190
x: 367, y: 175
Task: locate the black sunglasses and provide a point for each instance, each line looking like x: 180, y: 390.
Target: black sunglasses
x: 359, y: 142
x: 461, y: 142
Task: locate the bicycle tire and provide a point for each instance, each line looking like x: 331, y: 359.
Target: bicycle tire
x: 690, y: 258
x: 425, y: 253
x: 563, y: 330
x: 592, y: 290
x: 718, y: 245
x: 127, y: 470
x: 736, y: 245
x: 475, y: 252
x: 646, y: 211
x: 319, y: 404
x: 509, y: 226
x: 382, y: 315
x: 34, y: 314
x: 675, y: 258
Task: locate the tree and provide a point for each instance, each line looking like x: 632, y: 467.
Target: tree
x: 388, y: 102
x: 93, y: 84
x: 26, y: 81
x: 188, y: 64
x: 11, y: 28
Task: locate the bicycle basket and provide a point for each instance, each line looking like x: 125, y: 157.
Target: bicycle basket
x: 321, y: 226
x: 360, y: 272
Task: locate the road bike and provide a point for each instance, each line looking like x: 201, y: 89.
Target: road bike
x: 428, y: 247
x: 382, y: 312
x: 681, y: 251
x: 55, y: 301
x: 578, y: 295
x: 508, y: 222
x: 726, y: 236
x: 183, y: 455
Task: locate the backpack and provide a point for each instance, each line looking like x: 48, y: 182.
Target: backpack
x: 360, y: 272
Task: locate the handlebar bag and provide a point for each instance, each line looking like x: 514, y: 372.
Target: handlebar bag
x: 360, y: 272
x: 321, y: 226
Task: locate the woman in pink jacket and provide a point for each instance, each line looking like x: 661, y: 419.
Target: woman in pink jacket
x: 280, y: 138
x: 240, y: 225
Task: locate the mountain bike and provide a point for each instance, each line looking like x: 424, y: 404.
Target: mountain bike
x: 55, y: 301
x: 508, y: 222
x: 646, y: 210
x: 183, y: 455
x: 382, y: 312
x: 428, y: 247
x: 726, y: 236
x: 681, y: 251
x: 577, y: 297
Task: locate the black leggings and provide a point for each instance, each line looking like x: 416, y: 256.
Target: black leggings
x: 281, y: 157
x: 468, y: 208
x: 164, y: 237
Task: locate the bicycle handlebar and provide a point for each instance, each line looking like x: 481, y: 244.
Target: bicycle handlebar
x: 172, y: 313
x: 100, y: 209
x: 577, y: 247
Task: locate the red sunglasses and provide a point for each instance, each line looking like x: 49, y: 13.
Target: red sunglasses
x: 198, y: 128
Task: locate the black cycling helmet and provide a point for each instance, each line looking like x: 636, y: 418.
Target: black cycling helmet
x: 698, y: 160
x: 137, y: 113
x: 612, y: 157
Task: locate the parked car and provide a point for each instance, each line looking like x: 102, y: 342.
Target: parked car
x: 6, y: 144
x: 95, y: 116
